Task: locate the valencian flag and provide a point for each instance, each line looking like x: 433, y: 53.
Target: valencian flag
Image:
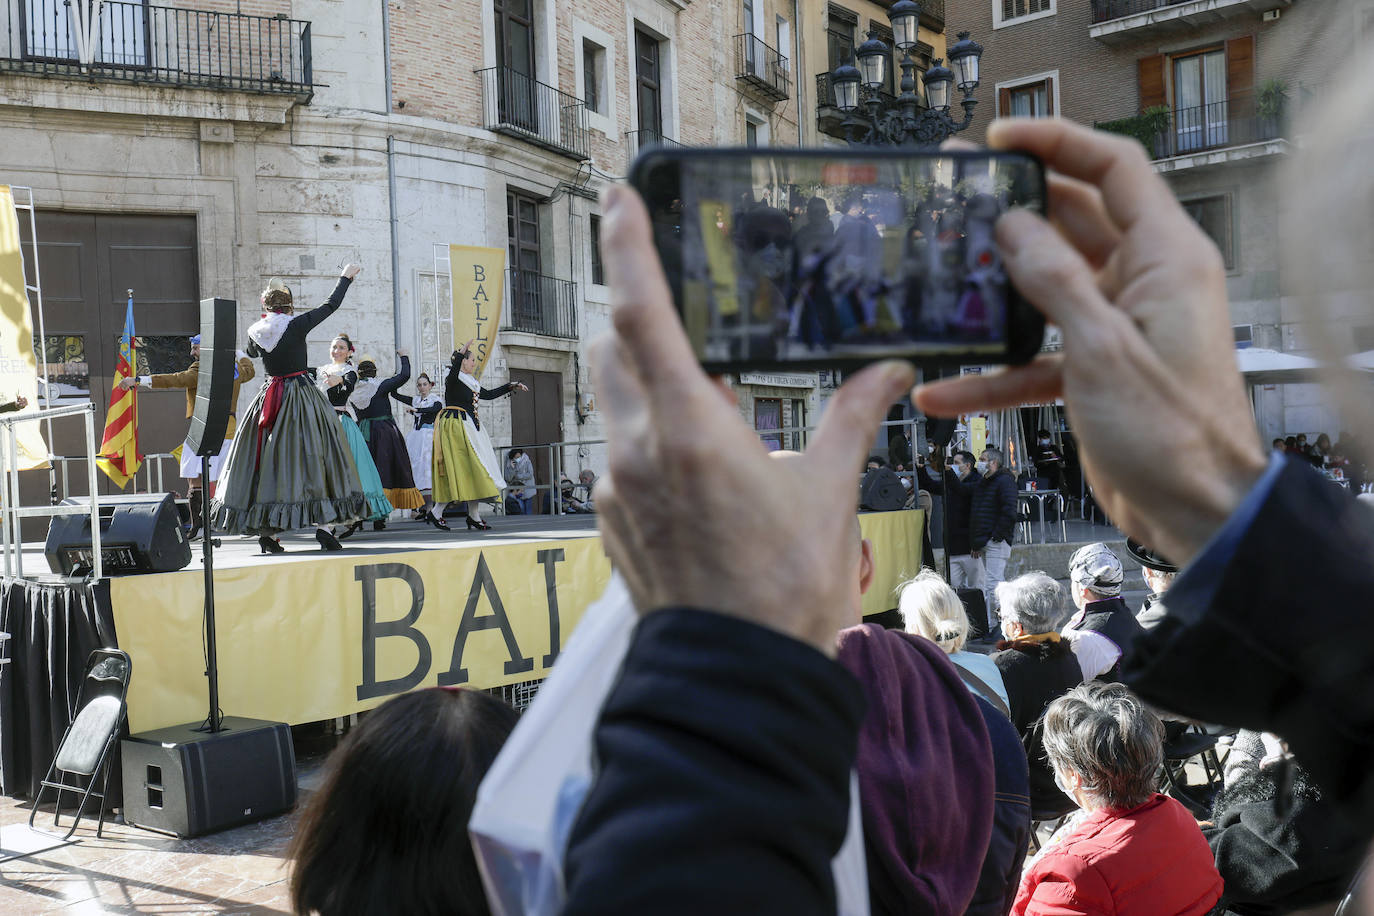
x: 119, y: 457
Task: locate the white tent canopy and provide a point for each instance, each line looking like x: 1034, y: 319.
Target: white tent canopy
x: 1270, y: 367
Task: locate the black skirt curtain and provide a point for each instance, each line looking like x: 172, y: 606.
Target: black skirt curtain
x: 53, y: 629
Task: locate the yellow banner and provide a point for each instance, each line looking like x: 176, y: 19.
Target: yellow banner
x: 477, y: 278
x: 327, y: 637
x: 18, y: 365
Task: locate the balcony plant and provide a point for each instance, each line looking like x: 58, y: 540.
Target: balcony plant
x: 1271, y: 106
x: 1150, y: 128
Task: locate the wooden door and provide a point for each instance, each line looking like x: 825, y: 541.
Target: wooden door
x: 536, y: 419
x: 515, y: 54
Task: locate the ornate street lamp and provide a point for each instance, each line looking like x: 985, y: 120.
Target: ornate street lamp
x: 907, y: 123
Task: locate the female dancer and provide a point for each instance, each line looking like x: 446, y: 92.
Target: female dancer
x: 337, y: 380
x: 373, y: 409
x: 424, y: 407
x: 288, y: 466
x: 465, y: 467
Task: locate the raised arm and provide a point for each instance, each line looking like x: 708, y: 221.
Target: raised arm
x: 388, y: 386
x: 331, y: 305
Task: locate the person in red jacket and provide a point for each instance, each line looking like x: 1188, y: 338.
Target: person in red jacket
x: 1132, y: 851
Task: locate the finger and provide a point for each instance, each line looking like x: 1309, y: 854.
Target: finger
x: 1116, y: 165
x: 1051, y: 273
x: 1040, y: 380
x: 623, y: 403
x: 616, y: 527
x: 641, y: 304
x: 840, y: 447
x: 1077, y: 211
x: 957, y: 145
x: 723, y: 388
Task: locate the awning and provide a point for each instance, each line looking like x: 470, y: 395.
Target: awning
x: 1270, y: 367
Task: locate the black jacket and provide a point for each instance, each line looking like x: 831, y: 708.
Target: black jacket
x: 338, y: 395
x: 958, y: 510
x: 456, y: 394
x: 380, y: 406
x: 724, y: 753
x: 1112, y: 619
x: 289, y: 355
x: 1036, y: 675
x: 1011, y: 818
x: 993, y: 515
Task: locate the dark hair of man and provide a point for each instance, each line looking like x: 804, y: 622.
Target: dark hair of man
x: 387, y: 830
x: 966, y: 457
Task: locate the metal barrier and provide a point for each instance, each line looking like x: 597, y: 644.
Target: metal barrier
x: 11, y: 540
x: 151, y: 463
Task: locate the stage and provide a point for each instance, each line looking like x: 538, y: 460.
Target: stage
x: 312, y: 635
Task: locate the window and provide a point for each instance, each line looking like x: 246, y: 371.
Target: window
x: 516, y: 103
x: 648, y: 83
x: 598, y: 274
x: 1008, y: 12
x: 755, y: 129
x: 1213, y: 214
x: 1244, y: 334
x: 1030, y: 97
x: 594, y: 76
x: 839, y: 36
x: 797, y: 420
x: 884, y: 33
x: 1209, y: 91
x: 522, y: 230
x: 751, y: 133
x: 1200, y: 100
x: 768, y: 416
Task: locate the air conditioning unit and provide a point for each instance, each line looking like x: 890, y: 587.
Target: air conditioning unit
x: 1245, y: 335
x: 1271, y: 15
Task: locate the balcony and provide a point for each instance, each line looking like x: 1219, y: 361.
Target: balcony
x: 518, y: 106
x: 829, y: 118
x: 541, y: 305
x: 762, y: 68
x: 1206, y: 135
x: 640, y: 140
x: 1119, y: 21
x: 160, y: 45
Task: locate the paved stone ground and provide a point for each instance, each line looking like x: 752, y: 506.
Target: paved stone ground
x: 130, y: 870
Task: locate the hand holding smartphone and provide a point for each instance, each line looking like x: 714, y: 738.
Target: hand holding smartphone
x: 801, y: 259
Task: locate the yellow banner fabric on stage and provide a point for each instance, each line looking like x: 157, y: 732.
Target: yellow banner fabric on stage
x: 18, y: 365
x: 477, y: 278
x: 322, y: 637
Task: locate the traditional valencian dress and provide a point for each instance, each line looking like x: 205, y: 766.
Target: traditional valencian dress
x: 372, y: 406
x: 420, y: 440
x: 465, y: 465
x: 378, y: 506
x: 288, y: 466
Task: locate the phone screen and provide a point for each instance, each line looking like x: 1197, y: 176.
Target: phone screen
x: 812, y: 258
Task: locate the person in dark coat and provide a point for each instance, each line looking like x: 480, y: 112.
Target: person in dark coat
x: 1104, y: 629
x: 1011, y: 818
x: 965, y: 570
x: 371, y: 402
x: 992, y: 524
x: 1037, y: 666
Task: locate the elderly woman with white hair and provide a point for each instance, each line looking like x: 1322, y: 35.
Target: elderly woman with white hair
x: 930, y: 608
x: 1133, y: 852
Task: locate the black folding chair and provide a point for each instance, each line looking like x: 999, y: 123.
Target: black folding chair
x: 84, y: 752
x: 1182, y: 744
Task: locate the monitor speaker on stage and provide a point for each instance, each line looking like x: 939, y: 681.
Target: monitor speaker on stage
x: 215, y: 388
x: 139, y: 533
x: 187, y: 782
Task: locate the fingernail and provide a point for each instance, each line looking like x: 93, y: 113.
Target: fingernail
x: 899, y: 375
x: 612, y: 199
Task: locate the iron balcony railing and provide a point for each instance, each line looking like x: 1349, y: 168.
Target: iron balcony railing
x: 162, y: 45
x: 933, y: 14
x: 644, y: 138
x: 1107, y: 10
x: 541, y: 305
x: 762, y: 67
x: 1218, y: 125
x: 519, y: 106
x: 825, y: 94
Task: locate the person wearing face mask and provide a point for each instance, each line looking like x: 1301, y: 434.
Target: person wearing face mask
x: 992, y: 524
x: 1132, y: 851
x: 1049, y: 462
x: 965, y: 570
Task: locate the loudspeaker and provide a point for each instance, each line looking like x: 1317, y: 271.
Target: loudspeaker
x: 215, y: 386
x: 882, y: 491
x: 138, y: 533
x: 187, y: 783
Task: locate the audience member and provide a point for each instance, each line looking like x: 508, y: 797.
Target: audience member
x: 386, y: 832
x: 1278, y: 445
x: 578, y: 497
x: 1280, y: 846
x: 1049, y: 462
x: 930, y: 608
x: 520, y: 476
x: 965, y: 570
x: 1320, y: 451
x: 1036, y: 666
x: 1159, y: 574
x: 1104, y: 629
x: 1135, y: 852
x: 992, y: 524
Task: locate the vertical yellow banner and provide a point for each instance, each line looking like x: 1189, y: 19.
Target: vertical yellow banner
x: 977, y: 435
x: 477, y: 278
x: 18, y: 364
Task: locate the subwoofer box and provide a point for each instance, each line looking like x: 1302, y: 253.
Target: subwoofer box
x: 184, y: 782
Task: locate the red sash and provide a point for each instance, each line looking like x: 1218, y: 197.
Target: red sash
x: 271, y: 405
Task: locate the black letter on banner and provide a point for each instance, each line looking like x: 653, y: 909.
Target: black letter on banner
x: 549, y: 558
x: 471, y: 623
x: 479, y: 273
x: 374, y: 630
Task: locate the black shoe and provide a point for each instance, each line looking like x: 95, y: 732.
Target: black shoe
x: 476, y: 525
x: 438, y: 522
x: 270, y: 545
x: 379, y: 525
x: 327, y: 540
x: 347, y: 532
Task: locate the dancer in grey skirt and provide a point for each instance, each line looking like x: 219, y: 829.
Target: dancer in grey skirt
x: 289, y: 466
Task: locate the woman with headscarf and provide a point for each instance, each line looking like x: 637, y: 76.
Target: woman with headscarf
x: 289, y: 465
x: 337, y: 380
x: 372, y: 406
x: 465, y: 465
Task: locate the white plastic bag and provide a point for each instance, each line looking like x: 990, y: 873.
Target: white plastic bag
x: 530, y: 797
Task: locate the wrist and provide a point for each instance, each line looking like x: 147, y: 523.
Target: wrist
x: 1207, y: 498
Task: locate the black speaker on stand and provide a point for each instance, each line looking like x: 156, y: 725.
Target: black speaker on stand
x: 193, y: 779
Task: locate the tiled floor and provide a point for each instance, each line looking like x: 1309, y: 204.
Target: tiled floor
x: 130, y: 870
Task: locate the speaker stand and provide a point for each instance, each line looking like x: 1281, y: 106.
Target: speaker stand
x: 214, y: 722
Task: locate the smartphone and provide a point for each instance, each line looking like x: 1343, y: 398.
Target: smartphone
x: 810, y: 259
